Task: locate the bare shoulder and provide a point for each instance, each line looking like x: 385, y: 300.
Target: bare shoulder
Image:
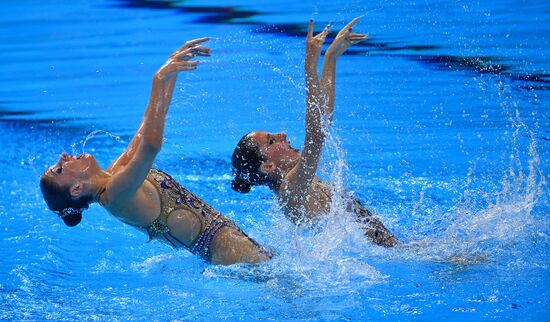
x: 292, y: 199
x: 288, y: 191
x: 139, y: 208
x: 117, y: 163
x: 307, y: 202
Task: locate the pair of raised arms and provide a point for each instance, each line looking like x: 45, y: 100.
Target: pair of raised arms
x: 319, y: 101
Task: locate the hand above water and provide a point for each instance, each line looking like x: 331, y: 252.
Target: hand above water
x: 344, y: 39
x: 181, y: 58
x: 314, y: 44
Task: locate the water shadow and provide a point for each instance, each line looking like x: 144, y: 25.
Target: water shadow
x: 237, y: 15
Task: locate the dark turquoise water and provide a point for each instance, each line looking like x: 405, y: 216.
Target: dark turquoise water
x: 441, y: 126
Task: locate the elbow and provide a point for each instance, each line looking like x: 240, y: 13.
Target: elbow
x: 151, y: 138
x: 152, y: 149
x: 318, y: 134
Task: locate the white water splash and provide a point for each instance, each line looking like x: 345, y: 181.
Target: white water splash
x: 491, y: 220
x: 92, y: 135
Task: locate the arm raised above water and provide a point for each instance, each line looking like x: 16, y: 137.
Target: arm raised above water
x: 319, y: 103
x: 314, y: 46
x: 132, y: 166
x: 301, y: 176
x: 343, y: 40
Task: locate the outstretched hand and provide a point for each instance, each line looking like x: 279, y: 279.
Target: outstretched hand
x: 344, y: 39
x: 181, y: 58
x: 314, y: 44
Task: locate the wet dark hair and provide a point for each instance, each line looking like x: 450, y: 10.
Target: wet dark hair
x: 246, y: 162
x: 60, y: 201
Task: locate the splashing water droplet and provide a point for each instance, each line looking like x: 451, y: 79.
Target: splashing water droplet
x: 96, y: 132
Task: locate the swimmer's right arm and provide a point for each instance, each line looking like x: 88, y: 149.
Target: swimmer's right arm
x: 131, y: 168
x: 314, y: 46
x: 161, y: 95
x: 301, y: 176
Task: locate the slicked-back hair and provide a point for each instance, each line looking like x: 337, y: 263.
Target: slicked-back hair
x: 246, y: 162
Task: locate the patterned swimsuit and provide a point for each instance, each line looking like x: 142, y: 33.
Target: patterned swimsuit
x: 173, y: 197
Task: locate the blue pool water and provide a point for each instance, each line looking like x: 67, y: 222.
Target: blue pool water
x: 441, y: 127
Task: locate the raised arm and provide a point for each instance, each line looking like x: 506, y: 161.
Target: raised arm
x: 314, y: 103
x: 301, y: 176
x: 132, y: 166
x: 161, y: 94
x: 319, y: 102
x: 314, y: 46
x: 343, y: 40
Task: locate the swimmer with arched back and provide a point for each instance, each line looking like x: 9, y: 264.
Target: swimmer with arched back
x: 262, y: 158
x: 146, y: 198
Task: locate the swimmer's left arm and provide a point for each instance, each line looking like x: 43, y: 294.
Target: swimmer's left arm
x: 341, y: 42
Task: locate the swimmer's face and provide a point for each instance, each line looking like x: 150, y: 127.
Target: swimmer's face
x: 275, y: 148
x: 70, y: 169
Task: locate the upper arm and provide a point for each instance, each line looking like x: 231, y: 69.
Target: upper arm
x: 300, y: 177
x: 126, y: 180
x: 128, y: 153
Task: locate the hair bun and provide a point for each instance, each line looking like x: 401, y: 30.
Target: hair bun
x: 240, y: 185
x: 72, y: 219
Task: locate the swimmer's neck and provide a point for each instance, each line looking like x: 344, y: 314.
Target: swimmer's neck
x: 98, y: 185
x: 276, y: 181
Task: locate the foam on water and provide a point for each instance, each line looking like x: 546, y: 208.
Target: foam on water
x: 492, y: 219
x: 487, y: 223
x: 475, y: 232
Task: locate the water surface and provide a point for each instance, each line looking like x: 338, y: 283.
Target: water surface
x: 441, y: 127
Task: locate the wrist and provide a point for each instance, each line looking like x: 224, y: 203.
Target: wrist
x: 159, y: 75
x: 163, y: 76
